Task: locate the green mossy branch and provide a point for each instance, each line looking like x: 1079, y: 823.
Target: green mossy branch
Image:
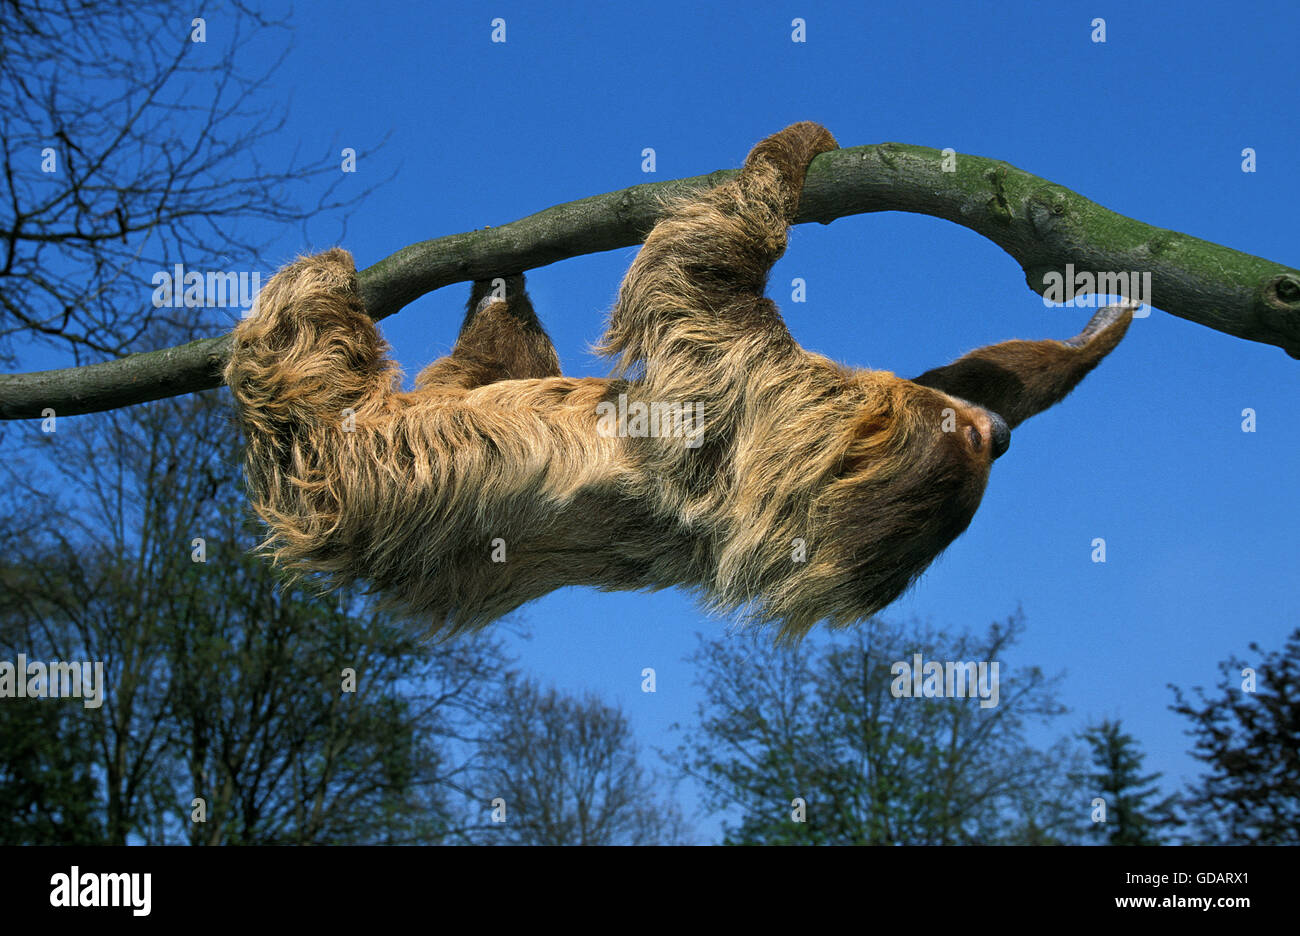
x: 1043, y: 226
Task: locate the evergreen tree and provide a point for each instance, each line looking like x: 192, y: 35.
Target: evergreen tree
x: 1131, y: 816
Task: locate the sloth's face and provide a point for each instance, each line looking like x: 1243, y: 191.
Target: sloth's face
x: 914, y: 457
x: 968, y: 430
x: 953, y: 443
x: 902, y: 429
x: 912, y: 475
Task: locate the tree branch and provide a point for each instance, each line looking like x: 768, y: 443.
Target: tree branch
x: 1043, y: 226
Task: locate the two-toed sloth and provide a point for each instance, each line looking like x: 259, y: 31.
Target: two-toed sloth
x: 793, y: 489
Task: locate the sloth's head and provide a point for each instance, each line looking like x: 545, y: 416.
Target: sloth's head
x: 915, y: 457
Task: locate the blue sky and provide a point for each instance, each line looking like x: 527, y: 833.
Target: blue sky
x: 1201, y: 520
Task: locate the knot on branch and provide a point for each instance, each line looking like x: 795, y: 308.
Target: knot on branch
x: 998, y: 205
x: 1277, y: 308
x: 1045, y: 209
x: 1283, y: 290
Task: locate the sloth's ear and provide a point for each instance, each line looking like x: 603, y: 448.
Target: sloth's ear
x: 1017, y: 379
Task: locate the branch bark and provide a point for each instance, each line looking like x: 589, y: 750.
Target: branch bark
x: 1043, y: 226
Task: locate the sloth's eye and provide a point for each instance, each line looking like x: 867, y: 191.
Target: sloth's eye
x: 976, y: 440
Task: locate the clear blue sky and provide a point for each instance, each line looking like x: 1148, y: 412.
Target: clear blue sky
x: 1201, y: 520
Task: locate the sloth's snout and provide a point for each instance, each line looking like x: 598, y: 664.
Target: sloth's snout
x: 988, y: 425
x: 1000, y: 434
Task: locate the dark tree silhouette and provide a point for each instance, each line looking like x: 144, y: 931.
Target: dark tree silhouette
x: 1248, y: 736
x: 131, y: 546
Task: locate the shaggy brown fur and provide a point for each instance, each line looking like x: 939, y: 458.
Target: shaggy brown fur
x: 815, y: 492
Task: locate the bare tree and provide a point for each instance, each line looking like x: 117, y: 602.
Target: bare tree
x: 567, y: 771
x: 814, y: 747
x: 127, y: 137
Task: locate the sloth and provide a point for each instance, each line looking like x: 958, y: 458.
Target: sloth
x: 720, y: 456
